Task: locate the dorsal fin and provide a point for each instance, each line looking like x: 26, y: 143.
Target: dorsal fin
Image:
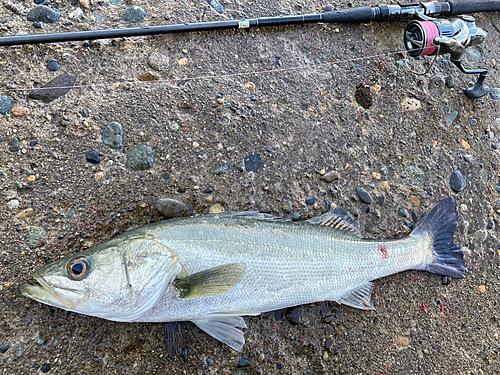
x: 338, y: 219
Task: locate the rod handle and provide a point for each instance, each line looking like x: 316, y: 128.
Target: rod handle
x: 466, y: 6
x: 350, y: 15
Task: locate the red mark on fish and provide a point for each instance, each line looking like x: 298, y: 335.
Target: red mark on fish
x: 383, y: 251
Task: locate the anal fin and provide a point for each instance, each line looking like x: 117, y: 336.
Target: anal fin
x: 225, y: 330
x: 359, y: 298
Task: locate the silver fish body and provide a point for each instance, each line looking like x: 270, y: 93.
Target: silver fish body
x: 213, y: 269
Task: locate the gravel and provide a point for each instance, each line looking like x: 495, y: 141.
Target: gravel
x: 5, y: 105
x: 140, y: 158
x: 37, y: 237
x: 170, y: 208
x: 43, y: 14
x: 364, y: 196
x: 458, y: 180
x: 252, y: 162
x: 134, y: 14
x: 93, y: 157
x: 112, y: 135
x: 56, y: 88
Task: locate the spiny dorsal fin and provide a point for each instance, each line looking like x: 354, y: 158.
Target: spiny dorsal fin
x: 211, y: 282
x: 359, y: 298
x: 338, y: 219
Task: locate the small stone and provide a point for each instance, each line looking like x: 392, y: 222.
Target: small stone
x: 158, y: 61
x: 99, y: 176
x: 216, y: 209
x: 449, y: 119
x: 37, y: 237
x: 31, y: 178
x: 364, y: 196
x: 221, y: 168
x: 376, y: 176
x: 210, y: 362
x: 252, y: 162
x: 293, y: 314
x: 20, y: 111
x: 4, y: 348
x: 226, y: 120
x: 473, y: 122
x: 43, y: 14
x: 403, y: 341
x: 250, y: 86
x: 330, y: 176
x: 217, y: 6
x: 112, y: 135
x: 328, y: 343
x: 310, y: 201
x: 19, y: 350
x: 23, y: 214
x: 402, y: 212
x: 465, y: 144
x: 149, y: 76
x: 53, y: 65
x: 140, y: 158
x: 182, y: 61
x: 114, y: 2
x: 413, y: 175
x: 56, y: 88
x: 287, y: 206
x: 76, y: 14
x: 170, y: 208
x: 384, y: 185
x: 244, y: 362
x: 240, y: 371
x: 415, y: 201
x: 85, y: 4
x: 45, y: 368
x: 174, y: 126
x: 13, y: 204
x: 280, y: 366
x: 5, y: 105
x: 134, y: 14
x: 436, y: 85
x: 411, y: 104
x: 482, y: 289
x: 93, y: 157
x: 495, y: 93
x: 458, y: 180
x: 14, y: 9
x: 325, y: 356
x: 450, y: 81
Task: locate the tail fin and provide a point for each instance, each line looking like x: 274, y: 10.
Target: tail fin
x: 440, y: 225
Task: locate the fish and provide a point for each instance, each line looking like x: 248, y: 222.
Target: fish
x: 214, y: 269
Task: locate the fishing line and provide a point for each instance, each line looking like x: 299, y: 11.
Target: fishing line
x: 209, y: 77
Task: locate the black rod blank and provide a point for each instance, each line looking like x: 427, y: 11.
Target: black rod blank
x: 380, y: 13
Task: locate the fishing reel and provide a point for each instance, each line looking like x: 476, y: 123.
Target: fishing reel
x: 433, y: 37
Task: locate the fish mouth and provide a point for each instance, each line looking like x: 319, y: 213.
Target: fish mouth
x: 45, y: 293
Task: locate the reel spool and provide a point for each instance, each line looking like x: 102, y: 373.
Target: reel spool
x: 433, y: 37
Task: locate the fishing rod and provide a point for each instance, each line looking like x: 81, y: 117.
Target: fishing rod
x: 425, y: 35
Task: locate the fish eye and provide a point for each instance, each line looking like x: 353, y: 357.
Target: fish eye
x: 78, y: 268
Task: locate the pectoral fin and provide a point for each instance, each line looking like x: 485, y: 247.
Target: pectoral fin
x: 225, y: 330
x: 359, y: 298
x: 211, y: 282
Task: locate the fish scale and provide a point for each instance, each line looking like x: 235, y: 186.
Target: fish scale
x: 319, y: 263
